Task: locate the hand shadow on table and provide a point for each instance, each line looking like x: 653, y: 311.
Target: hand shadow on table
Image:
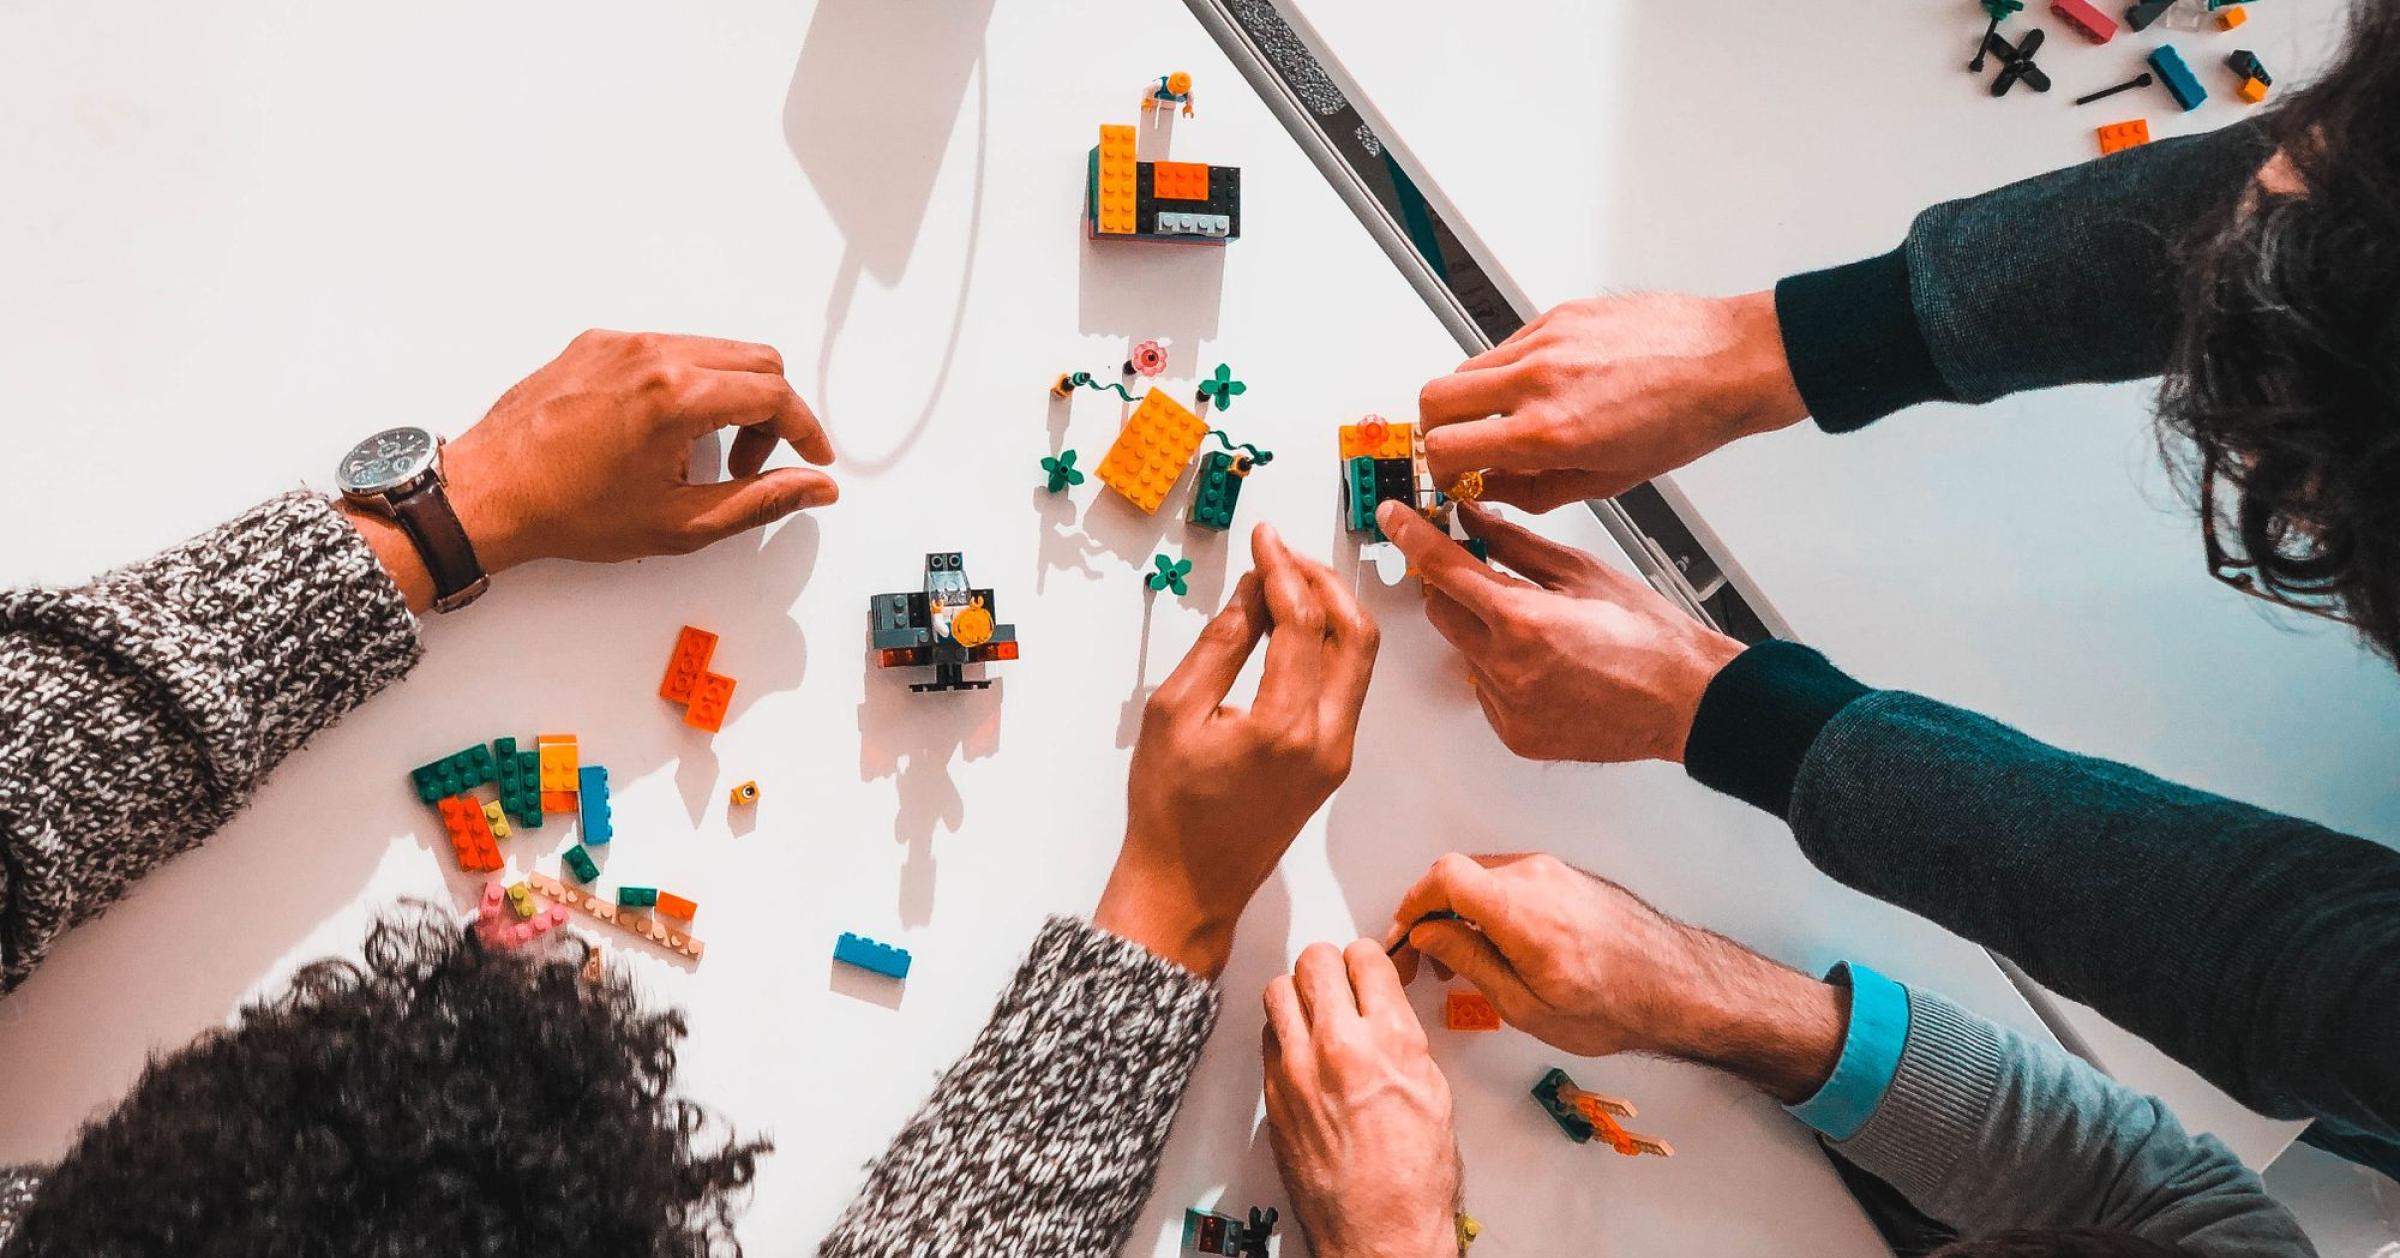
x: 912, y: 738
x: 869, y: 114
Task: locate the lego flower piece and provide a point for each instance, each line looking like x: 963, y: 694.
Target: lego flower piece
x: 1170, y: 575
x: 1222, y: 388
x: 1149, y: 358
x: 1062, y: 470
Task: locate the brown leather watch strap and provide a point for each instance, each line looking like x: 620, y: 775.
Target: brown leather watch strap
x: 425, y: 514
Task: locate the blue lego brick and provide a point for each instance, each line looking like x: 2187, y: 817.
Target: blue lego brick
x: 592, y: 794
x: 581, y: 864
x: 2177, y: 77
x: 867, y: 954
x: 1216, y: 492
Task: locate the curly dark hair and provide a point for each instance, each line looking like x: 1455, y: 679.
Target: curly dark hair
x: 2281, y: 404
x: 2054, y: 1242
x: 442, y: 1099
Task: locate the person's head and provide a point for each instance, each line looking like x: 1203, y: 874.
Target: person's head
x: 2285, y: 377
x: 2071, y: 1242
x: 440, y: 1099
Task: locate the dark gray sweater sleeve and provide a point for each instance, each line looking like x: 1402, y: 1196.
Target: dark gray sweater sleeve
x: 1987, y: 1130
x: 2066, y: 277
x: 2259, y: 949
x: 1045, y: 1137
x: 139, y: 712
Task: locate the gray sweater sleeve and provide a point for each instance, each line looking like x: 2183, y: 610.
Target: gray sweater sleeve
x: 1987, y: 1130
x: 1045, y: 1137
x: 139, y: 712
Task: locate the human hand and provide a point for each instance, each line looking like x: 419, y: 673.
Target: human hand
x: 1218, y: 792
x: 1588, y: 664
x: 1585, y: 966
x: 1599, y: 395
x: 1357, y: 1113
x: 589, y: 457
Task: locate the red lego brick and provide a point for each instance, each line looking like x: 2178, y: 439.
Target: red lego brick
x: 710, y: 697
x: 1469, y: 1011
x: 470, y: 834
x: 676, y: 906
x: 2085, y: 19
x: 2118, y: 136
x: 693, y: 647
x: 1179, y: 181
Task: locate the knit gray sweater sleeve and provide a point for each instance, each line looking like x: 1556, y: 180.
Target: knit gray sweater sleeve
x: 140, y: 711
x: 1045, y: 1137
x: 1987, y: 1130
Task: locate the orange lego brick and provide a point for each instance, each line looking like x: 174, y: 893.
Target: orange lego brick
x: 2253, y: 90
x: 1113, y: 186
x: 470, y: 834
x: 693, y: 647
x: 710, y: 698
x: 1469, y: 1011
x: 1151, y: 451
x: 1379, y: 438
x: 1179, y: 181
x: 676, y: 906
x: 2227, y: 19
x: 558, y: 760
x: 2119, y: 136
x: 558, y: 801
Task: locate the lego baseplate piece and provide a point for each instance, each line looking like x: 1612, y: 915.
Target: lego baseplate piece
x: 637, y: 924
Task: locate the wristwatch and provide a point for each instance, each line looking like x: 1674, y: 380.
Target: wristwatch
x: 398, y: 473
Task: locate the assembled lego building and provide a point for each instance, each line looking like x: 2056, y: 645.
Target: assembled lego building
x: 948, y: 626
x: 1124, y: 199
x: 1207, y: 1232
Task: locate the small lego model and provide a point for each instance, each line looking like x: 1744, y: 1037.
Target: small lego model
x: 2254, y: 76
x: 1385, y: 462
x: 1172, y: 89
x: 1221, y: 388
x: 599, y: 825
x: 2177, y: 77
x: 454, y: 774
x: 2141, y: 15
x: 637, y: 897
x: 1125, y: 199
x: 1207, y: 1232
x: 580, y: 863
x: 1170, y: 575
x: 2016, y: 62
x: 743, y: 796
x: 2143, y: 79
x: 631, y: 923
x: 948, y: 626
x: 1582, y: 1115
x: 869, y: 955
x: 2119, y: 136
x: 1997, y: 11
x: 1061, y: 469
x: 1469, y: 1011
x: 2086, y: 19
x: 676, y: 906
x: 693, y: 648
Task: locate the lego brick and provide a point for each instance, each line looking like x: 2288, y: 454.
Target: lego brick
x: 2085, y: 19
x: 2177, y: 77
x: 558, y: 760
x: 2227, y: 19
x: 494, y: 928
x: 867, y: 954
x: 710, y: 698
x: 2245, y: 63
x: 742, y: 796
x: 1179, y: 181
x: 1377, y: 438
x: 2119, y: 136
x: 470, y: 834
x: 676, y: 906
x: 496, y: 817
x: 558, y: 801
x: 1358, y: 495
x: 599, y: 822
x: 580, y: 863
x: 1150, y: 452
x: 636, y: 924
x: 521, y: 787
x: 1113, y: 181
x: 637, y: 897
x: 454, y: 774
x: 693, y: 648
x: 520, y: 899
x: 2252, y: 91
x: 1469, y: 1011
x: 1217, y: 491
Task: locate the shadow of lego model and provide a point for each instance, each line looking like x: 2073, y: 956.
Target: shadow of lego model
x: 1063, y: 546
x: 858, y: 984
x: 912, y: 738
x: 872, y: 104
x: 1148, y: 290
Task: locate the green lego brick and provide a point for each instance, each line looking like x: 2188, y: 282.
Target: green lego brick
x: 1216, y: 492
x: 521, y: 787
x: 636, y: 897
x: 1360, y: 495
x: 580, y: 863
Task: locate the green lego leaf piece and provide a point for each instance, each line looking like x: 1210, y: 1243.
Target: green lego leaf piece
x: 1170, y: 575
x: 1062, y: 470
x: 1222, y: 388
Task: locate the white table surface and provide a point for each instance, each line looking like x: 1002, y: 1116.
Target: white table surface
x: 2029, y: 559
x: 236, y: 239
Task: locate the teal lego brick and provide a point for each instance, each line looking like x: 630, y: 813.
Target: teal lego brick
x: 591, y: 795
x: 1569, y: 1119
x: 581, y: 864
x: 867, y: 954
x: 454, y: 774
x: 1217, y: 491
x: 637, y: 897
x: 2177, y: 77
x: 521, y: 788
x: 1359, y: 494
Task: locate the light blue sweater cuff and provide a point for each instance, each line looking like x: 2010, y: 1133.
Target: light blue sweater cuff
x: 1870, y: 1054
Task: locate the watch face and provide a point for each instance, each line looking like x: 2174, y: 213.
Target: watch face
x: 387, y: 459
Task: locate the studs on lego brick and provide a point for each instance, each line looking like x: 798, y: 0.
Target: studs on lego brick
x: 948, y: 626
x: 1126, y: 199
x: 866, y: 954
x: 2177, y: 77
x: 1469, y: 1011
x: 710, y: 698
x: 1062, y: 471
x: 580, y: 863
x: 1221, y: 388
x: 2119, y: 136
x: 693, y: 647
x: 2143, y: 79
x: 497, y: 818
x: 636, y: 897
x: 1150, y: 452
x: 599, y: 824
x: 1170, y: 575
x: 744, y: 795
x: 602, y: 910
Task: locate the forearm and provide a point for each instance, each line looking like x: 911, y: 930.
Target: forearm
x: 2066, y: 277
x: 1045, y: 1136
x: 1986, y: 1130
x: 139, y: 712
